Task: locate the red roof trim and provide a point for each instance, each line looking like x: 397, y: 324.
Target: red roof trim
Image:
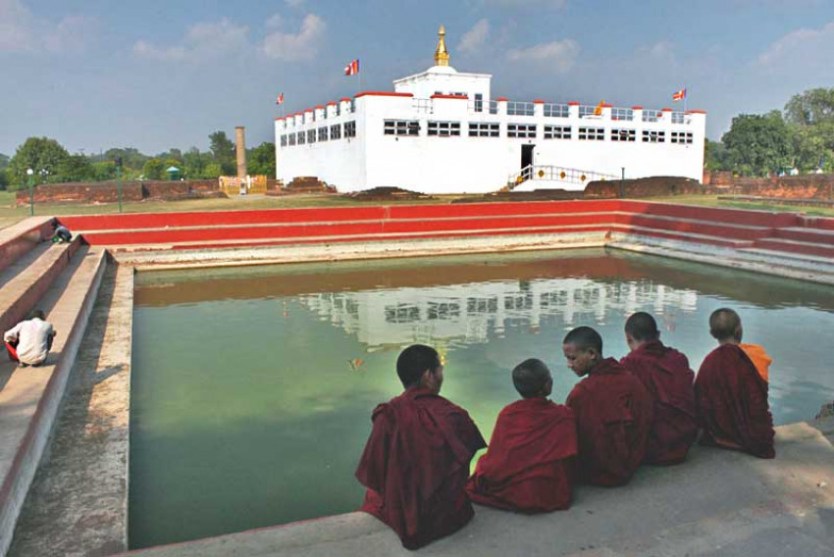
x: 573, y: 103
x: 538, y: 101
x: 319, y: 107
x: 607, y: 105
x: 345, y: 99
x: 441, y: 96
x: 382, y: 94
x: 666, y: 109
x: 503, y: 99
x: 696, y: 111
x: 332, y: 103
x: 636, y: 107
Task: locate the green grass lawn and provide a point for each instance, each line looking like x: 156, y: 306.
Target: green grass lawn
x: 10, y: 213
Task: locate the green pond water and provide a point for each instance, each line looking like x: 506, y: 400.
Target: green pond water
x: 253, y: 387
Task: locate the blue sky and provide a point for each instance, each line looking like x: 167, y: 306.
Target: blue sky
x: 157, y: 74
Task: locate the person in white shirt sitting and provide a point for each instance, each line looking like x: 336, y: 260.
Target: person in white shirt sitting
x: 29, y: 341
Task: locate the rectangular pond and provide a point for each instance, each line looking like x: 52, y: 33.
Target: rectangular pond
x: 252, y: 388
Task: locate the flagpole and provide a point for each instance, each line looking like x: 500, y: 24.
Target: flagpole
x: 685, y: 95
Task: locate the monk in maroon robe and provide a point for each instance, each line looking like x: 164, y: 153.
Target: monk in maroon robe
x: 528, y: 465
x: 666, y: 375
x: 416, y: 462
x: 731, y: 393
x: 613, y: 412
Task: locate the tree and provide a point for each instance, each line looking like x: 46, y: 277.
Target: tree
x: 811, y: 107
x: 40, y: 154
x: 223, y: 152
x: 759, y: 145
x: 261, y: 159
x: 715, y: 156
x: 154, y: 169
x: 75, y: 168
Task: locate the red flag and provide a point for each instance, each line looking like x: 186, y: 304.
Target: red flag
x: 352, y: 68
x: 280, y: 99
x: 679, y: 95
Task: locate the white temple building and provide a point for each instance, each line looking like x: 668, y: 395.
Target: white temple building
x: 440, y: 131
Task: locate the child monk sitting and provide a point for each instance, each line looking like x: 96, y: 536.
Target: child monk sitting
x: 416, y: 462
x: 613, y: 410
x: 731, y: 391
x: 528, y: 464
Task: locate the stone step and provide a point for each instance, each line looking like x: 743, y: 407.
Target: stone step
x: 649, y: 233
x: 18, y: 239
x: 805, y: 234
x: 721, y: 229
x: 30, y: 396
x: 793, y: 246
x: 26, y: 281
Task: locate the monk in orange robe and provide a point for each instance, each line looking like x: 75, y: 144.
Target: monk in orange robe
x: 528, y: 465
x: 731, y: 391
x: 613, y: 412
x: 416, y: 461
x: 666, y: 375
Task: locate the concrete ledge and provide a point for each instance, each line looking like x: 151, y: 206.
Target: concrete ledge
x: 19, y: 238
x: 717, y: 503
x: 21, y: 293
x: 29, y: 401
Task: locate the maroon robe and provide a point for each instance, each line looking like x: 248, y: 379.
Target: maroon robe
x: 416, y: 464
x: 732, y: 403
x: 613, y: 419
x: 527, y: 466
x: 666, y: 375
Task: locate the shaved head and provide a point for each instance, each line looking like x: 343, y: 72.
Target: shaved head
x: 725, y: 324
x: 532, y: 378
x: 642, y: 327
x: 584, y: 338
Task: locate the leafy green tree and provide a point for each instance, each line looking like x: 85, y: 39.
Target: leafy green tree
x: 212, y: 170
x: 223, y: 152
x: 759, y: 144
x: 154, y: 169
x: 715, y: 156
x: 261, y: 159
x: 811, y: 107
x: 194, y: 163
x: 104, y: 170
x: 75, y: 168
x: 40, y: 154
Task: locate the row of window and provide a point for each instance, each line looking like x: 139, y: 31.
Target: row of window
x: 324, y: 133
x: 485, y: 129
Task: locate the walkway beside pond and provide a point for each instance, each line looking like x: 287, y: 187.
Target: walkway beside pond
x: 718, y: 503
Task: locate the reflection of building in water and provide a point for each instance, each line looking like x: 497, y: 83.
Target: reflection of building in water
x: 466, y: 313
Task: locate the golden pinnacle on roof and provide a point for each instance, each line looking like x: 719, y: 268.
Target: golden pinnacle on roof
x: 441, y: 55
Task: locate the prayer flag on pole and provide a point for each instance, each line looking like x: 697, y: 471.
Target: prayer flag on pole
x: 679, y: 95
x: 280, y: 99
x: 352, y: 68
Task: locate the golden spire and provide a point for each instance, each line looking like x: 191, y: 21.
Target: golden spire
x: 441, y: 55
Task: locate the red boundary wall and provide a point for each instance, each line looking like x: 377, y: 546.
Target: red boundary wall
x: 730, y: 227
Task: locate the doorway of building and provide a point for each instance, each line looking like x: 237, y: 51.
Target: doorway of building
x: 527, y: 161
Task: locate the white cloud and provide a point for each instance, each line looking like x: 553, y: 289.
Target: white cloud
x: 560, y: 55
x: 474, y: 39
x: 21, y: 31
x: 202, y: 41
x: 299, y: 46
x: 802, y: 49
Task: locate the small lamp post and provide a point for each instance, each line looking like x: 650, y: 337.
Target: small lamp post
x: 118, y: 162
x: 31, y: 174
x: 622, y: 181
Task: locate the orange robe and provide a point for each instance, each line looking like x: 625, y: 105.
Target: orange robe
x: 613, y: 418
x: 415, y: 466
x: 527, y: 467
x: 666, y: 375
x: 732, y: 403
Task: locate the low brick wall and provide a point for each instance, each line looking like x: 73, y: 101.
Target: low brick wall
x: 807, y: 186
x: 644, y: 187
x: 108, y: 192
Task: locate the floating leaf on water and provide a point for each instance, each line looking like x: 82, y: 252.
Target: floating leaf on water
x: 355, y: 363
